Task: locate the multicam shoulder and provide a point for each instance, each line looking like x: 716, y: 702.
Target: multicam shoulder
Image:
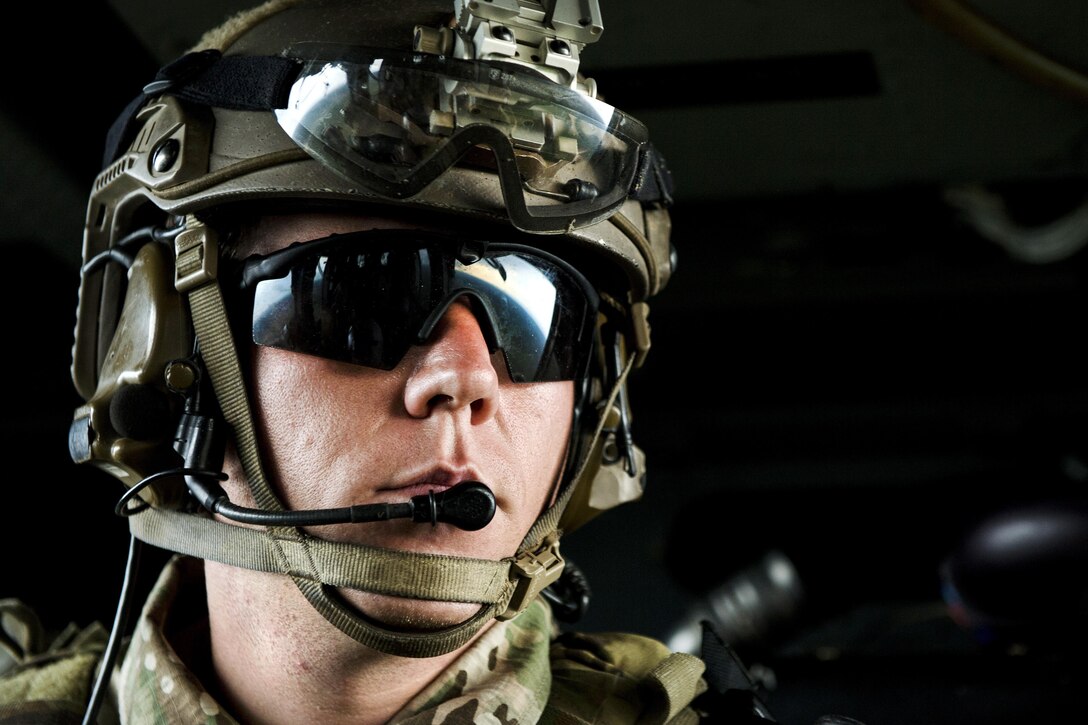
x: 48, y: 684
x: 621, y: 678
x: 503, y: 677
x: 523, y: 671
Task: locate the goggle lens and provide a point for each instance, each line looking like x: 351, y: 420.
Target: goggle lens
x: 394, y: 122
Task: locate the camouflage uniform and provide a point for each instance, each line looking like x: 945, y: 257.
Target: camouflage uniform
x: 521, y: 671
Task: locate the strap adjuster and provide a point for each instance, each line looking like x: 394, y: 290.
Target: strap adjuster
x: 535, y: 570
x: 196, y: 252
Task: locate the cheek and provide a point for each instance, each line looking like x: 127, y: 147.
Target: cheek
x: 543, y: 412
x: 305, y: 406
x: 548, y: 408
x: 286, y: 394
x: 293, y: 391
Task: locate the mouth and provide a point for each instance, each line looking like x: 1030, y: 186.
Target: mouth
x: 446, y: 496
x: 432, y: 481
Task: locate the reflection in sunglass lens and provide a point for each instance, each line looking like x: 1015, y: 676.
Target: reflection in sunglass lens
x: 367, y: 306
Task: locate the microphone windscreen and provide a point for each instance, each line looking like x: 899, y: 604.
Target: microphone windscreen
x: 140, y: 412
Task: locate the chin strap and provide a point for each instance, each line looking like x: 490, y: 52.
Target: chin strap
x: 318, y: 566
x: 337, y: 564
x: 504, y: 588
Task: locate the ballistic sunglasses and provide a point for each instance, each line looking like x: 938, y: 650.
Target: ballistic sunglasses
x: 367, y: 297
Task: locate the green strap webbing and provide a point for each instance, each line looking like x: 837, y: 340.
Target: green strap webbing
x: 403, y: 644
x: 197, y: 255
x: 222, y: 362
x: 336, y: 563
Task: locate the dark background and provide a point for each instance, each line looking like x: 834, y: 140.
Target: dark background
x: 872, y: 346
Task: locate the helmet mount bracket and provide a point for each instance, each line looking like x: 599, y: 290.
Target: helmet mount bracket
x: 547, y: 36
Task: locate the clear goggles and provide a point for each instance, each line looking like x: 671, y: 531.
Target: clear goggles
x: 367, y: 297
x: 394, y: 121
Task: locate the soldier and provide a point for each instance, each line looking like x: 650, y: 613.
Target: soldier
x: 362, y: 286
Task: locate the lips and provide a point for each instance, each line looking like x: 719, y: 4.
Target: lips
x: 436, y: 480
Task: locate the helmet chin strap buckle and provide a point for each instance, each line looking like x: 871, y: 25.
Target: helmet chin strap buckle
x: 535, y: 570
x: 197, y: 256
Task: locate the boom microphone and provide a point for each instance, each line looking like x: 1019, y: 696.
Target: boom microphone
x: 470, y: 505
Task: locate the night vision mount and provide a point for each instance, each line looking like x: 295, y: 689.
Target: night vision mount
x: 546, y: 35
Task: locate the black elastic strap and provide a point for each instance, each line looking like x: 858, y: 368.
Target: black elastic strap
x: 120, y: 133
x: 653, y: 180
x: 207, y: 77
x: 242, y: 83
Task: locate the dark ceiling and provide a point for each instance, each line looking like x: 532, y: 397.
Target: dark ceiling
x: 872, y: 340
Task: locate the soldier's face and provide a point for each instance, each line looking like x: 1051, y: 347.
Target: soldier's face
x: 337, y: 434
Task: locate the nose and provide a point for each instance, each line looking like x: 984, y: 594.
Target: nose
x: 454, y: 369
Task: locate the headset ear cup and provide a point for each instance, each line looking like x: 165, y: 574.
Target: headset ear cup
x: 605, y: 481
x: 614, y: 484
x: 152, y: 331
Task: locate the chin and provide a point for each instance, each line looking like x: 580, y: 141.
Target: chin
x: 410, y: 615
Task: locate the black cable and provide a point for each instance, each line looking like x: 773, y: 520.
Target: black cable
x: 121, y: 508
x: 120, y: 621
x: 117, y: 253
x: 110, y: 255
x: 470, y: 505
x: 569, y: 595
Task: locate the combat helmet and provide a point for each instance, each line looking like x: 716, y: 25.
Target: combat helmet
x: 473, y: 110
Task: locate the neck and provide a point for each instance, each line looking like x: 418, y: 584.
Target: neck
x: 277, y: 660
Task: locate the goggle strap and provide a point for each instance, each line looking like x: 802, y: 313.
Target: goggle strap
x: 241, y: 82
x: 653, y: 180
x: 251, y: 83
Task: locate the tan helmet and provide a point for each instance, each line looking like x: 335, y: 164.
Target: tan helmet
x: 466, y: 110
